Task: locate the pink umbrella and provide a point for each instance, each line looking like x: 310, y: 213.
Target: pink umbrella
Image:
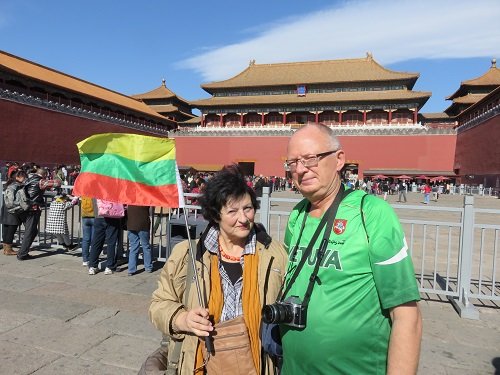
x: 403, y: 177
x: 379, y: 177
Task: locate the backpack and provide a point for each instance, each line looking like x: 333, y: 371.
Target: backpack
x: 110, y: 209
x: 9, y: 197
x: 16, y: 200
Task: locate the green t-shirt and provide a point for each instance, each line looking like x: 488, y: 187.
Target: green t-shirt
x: 348, y: 326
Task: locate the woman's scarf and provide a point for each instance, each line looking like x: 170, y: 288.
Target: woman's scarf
x: 251, y: 303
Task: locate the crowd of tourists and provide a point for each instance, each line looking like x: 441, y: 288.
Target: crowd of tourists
x: 194, y: 182
x: 66, y: 174
x: 401, y: 188
x: 25, y: 185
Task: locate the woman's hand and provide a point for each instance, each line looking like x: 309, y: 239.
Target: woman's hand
x: 195, y: 321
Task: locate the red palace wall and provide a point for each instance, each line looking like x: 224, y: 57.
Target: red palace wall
x: 411, y: 152
x: 478, y: 149
x: 32, y: 134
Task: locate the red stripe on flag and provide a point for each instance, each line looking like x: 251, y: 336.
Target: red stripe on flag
x: 124, y: 191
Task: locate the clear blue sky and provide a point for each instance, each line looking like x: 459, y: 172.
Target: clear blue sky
x: 129, y: 46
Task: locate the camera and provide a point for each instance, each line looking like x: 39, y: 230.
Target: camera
x: 290, y: 312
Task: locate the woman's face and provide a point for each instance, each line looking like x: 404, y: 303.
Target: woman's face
x: 20, y: 179
x: 237, y: 217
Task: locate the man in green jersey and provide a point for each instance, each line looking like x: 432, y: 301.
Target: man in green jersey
x: 362, y: 317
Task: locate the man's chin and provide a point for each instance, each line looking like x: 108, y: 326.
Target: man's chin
x: 307, y: 189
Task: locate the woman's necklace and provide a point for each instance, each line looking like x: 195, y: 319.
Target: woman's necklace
x: 227, y: 256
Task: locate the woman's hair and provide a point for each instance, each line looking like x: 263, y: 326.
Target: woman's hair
x: 21, y: 173
x: 14, y: 175
x: 225, y: 185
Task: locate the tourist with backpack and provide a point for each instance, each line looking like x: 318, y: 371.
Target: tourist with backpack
x: 14, y: 207
x: 35, y: 187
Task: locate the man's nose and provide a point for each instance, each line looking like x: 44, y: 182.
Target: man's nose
x: 300, y: 168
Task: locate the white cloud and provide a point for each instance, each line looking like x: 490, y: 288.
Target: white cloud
x: 392, y: 30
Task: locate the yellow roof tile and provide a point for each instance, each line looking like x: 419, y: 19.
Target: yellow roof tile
x: 164, y: 108
x: 469, y: 98
x: 491, y: 77
x: 435, y: 115
x: 328, y: 71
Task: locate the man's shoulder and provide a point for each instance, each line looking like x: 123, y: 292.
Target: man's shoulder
x: 361, y: 200
x: 300, y: 206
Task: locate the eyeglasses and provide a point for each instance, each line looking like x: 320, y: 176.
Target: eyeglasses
x: 308, y: 162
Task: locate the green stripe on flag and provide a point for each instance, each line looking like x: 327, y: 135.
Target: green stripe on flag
x: 150, y: 173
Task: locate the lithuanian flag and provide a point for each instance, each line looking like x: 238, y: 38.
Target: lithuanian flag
x: 129, y: 169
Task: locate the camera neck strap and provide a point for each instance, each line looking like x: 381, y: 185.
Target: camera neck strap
x: 327, y: 220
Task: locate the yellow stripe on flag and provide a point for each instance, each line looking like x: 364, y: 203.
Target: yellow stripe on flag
x: 131, y: 146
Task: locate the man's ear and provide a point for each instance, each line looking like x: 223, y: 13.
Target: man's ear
x: 340, y: 160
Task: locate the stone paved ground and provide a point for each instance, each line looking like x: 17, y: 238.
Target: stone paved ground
x: 56, y: 319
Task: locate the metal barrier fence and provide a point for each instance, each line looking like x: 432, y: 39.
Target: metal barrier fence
x: 454, y: 254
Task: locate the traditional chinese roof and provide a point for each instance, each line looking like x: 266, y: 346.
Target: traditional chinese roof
x: 489, y: 79
x: 462, y: 102
x: 163, y: 100
x: 494, y: 94
x: 357, y: 96
x: 192, y: 121
x: 169, y: 108
x: 161, y: 92
x: 312, y: 72
x: 67, y: 82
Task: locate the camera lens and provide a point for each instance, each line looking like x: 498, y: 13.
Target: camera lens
x: 277, y: 313
x: 269, y: 314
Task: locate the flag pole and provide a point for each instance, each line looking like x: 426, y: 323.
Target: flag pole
x: 208, y: 341
x: 182, y: 204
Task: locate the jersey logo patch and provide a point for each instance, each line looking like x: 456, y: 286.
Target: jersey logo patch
x: 339, y: 226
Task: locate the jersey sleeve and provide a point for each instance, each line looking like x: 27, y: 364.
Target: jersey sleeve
x: 390, y: 259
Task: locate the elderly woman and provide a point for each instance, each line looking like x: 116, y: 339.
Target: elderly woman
x: 240, y: 270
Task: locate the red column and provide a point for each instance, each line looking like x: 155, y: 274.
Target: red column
x: 364, y: 117
x: 202, y: 120
x: 389, y: 117
x: 284, y: 118
x: 415, y: 112
x: 316, y: 117
x: 262, y: 118
x: 242, y: 120
x: 221, y: 121
x: 340, y: 117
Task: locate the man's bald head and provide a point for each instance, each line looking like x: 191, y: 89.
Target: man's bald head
x: 332, y: 140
